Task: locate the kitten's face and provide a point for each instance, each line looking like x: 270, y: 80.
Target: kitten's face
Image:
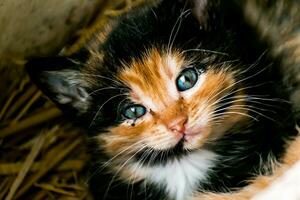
x: 155, y: 83
x: 174, y: 103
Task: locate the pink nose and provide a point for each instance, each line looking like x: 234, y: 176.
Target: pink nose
x: 178, y: 124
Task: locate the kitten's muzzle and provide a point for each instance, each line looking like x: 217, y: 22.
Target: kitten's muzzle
x: 178, y: 125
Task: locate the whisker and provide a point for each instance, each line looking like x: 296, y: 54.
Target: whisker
x: 103, y: 105
x: 103, y: 77
x: 141, y: 141
x: 257, y: 112
x: 179, y: 20
x: 206, y: 51
x: 121, y: 152
x: 237, y: 82
x: 217, y: 109
x: 119, y: 170
x: 254, y: 64
x: 105, y: 88
x: 243, y: 114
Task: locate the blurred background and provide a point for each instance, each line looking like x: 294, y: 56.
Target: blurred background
x: 42, y: 156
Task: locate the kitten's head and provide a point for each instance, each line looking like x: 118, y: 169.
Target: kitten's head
x: 159, y: 78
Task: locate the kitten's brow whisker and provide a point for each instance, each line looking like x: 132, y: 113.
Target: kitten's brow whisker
x: 254, y: 64
x: 206, y: 51
x: 255, y: 74
x: 104, y: 77
x: 226, y: 62
x: 105, y: 88
x: 103, y: 105
x: 179, y: 20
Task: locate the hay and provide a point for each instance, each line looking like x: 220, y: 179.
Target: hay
x: 42, y: 154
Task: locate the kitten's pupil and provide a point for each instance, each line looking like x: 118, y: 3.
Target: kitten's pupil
x: 134, y: 111
x: 187, y: 79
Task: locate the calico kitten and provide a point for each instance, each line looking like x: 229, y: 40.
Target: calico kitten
x: 178, y: 97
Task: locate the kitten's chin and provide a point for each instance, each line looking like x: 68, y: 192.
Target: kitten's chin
x: 185, y: 142
x: 174, y: 148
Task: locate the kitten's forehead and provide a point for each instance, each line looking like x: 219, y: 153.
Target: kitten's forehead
x: 152, y: 78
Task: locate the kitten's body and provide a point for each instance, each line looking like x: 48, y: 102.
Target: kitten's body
x: 213, y: 136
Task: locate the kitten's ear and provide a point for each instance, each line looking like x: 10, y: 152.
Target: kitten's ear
x: 205, y: 11
x: 60, y: 79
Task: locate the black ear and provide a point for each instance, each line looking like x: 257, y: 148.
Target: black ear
x: 61, y: 80
x: 205, y: 11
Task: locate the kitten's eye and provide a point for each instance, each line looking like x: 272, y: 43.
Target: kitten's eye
x: 134, y: 111
x: 187, y: 79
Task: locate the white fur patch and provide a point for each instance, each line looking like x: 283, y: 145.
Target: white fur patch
x: 179, y: 177
x: 285, y: 187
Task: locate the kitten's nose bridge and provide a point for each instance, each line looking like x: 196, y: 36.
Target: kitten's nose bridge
x: 177, y: 124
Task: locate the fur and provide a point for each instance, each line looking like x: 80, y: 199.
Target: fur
x: 213, y: 137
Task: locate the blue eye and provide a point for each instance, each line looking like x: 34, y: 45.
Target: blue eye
x: 134, y: 111
x: 187, y: 79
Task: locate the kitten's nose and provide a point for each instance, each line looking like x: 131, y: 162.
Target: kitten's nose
x: 178, y: 124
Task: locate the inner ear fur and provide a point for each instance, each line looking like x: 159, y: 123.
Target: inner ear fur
x: 61, y: 80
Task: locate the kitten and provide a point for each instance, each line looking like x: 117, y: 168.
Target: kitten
x: 178, y: 97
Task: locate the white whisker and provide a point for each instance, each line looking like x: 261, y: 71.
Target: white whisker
x: 206, y: 51
x: 103, y: 105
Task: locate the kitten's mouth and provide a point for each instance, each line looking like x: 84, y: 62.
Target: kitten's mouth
x: 162, y: 156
